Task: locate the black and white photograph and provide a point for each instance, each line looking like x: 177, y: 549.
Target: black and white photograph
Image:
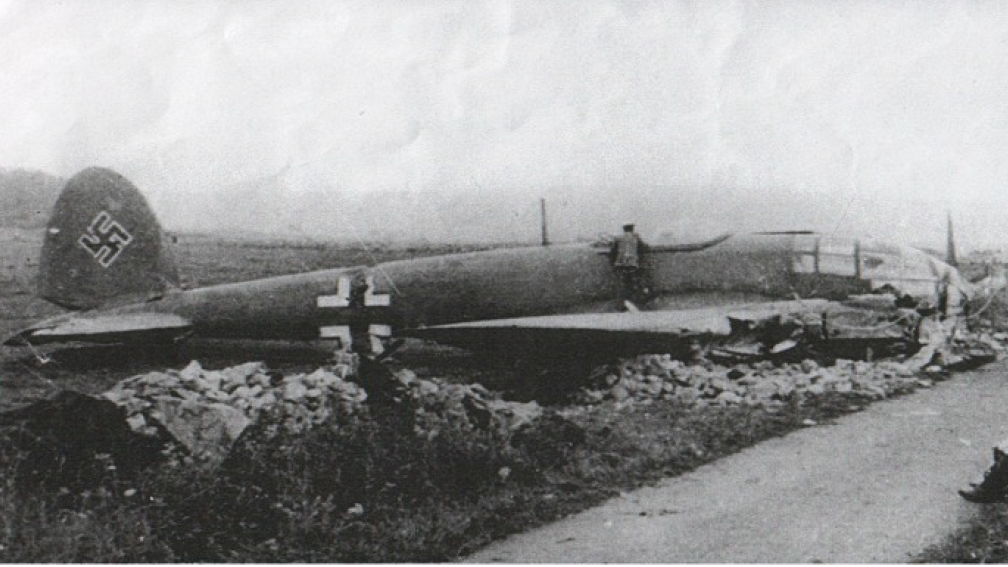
x: 503, y: 281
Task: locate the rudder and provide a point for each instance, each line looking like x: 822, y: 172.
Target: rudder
x: 103, y: 245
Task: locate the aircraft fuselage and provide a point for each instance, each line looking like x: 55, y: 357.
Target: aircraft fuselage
x: 520, y: 282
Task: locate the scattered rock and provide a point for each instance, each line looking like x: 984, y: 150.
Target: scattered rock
x: 462, y: 405
x: 765, y: 383
x: 728, y: 398
x: 295, y: 390
x: 206, y: 430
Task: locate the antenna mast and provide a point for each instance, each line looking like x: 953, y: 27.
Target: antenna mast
x: 545, y: 236
x: 950, y: 251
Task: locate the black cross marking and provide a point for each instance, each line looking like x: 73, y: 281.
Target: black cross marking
x: 351, y: 296
x: 105, y: 239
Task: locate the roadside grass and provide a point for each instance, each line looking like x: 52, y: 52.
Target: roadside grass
x: 40, y: 527
x: 371, y: 490
x: 983, y: 540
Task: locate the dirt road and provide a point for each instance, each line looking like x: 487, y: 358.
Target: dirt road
x: 876, y: 486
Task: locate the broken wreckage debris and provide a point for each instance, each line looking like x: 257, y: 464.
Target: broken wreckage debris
x: 771, y: 361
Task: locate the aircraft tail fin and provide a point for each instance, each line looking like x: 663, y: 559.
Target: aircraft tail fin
x: 103, y: 245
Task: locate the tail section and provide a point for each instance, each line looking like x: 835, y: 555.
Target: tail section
x: 103, y: 245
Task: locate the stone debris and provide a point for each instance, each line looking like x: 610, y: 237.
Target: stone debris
x: 752, y: 381
x: 470, y: 406
x: 206, y: 410
x: 762, y: 383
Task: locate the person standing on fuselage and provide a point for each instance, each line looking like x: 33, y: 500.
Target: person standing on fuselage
x: 627, y: 254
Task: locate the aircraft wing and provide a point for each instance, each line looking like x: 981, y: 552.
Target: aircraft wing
x: 109, y: 328
x: 639, y: 330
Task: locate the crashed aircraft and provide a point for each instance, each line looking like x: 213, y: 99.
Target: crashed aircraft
x: 105, y: 258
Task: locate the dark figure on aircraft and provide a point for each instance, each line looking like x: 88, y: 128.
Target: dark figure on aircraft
x: 994, y: 486
x: 627, y: 254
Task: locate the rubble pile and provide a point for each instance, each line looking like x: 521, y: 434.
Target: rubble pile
x: 658, y: 377
x: 470, y: 406
x: 206, y: 410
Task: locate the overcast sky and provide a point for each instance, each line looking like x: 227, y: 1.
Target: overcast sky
x: 609, y: 109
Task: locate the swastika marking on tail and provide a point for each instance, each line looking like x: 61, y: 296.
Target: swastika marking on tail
x: 105, y: 239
